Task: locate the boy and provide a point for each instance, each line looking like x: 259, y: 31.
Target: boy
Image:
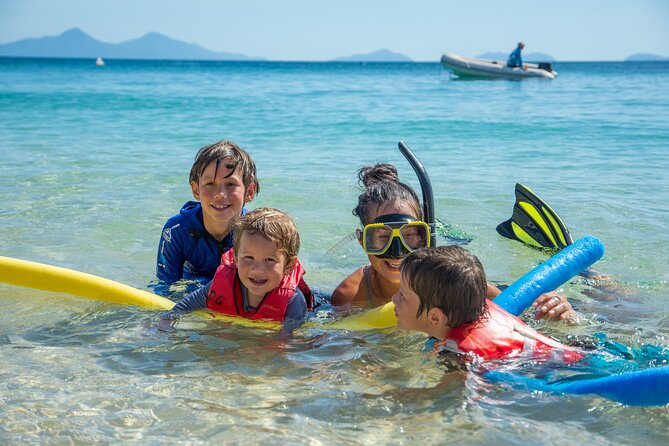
x: 260, y: 278
x: 222, y: 179
x: 443, y: 293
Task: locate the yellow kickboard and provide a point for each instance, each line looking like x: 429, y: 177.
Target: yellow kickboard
x: 376, y: 318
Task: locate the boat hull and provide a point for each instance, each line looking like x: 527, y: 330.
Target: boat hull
x: 480, y: 68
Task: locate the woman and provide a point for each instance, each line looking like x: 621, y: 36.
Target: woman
x: 390, y: 213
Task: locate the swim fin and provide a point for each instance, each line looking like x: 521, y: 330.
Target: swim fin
x: 534, y: 223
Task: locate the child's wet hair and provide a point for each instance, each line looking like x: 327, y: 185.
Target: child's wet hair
x: 450, y: 278
x: 231, y: 156
x: 382, y: 185
x: 274, y: 225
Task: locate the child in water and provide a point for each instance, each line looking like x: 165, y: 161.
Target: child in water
x: 260, y: 277
x: 391, y: 217
x: 443, y: 293
x: 222, y: 179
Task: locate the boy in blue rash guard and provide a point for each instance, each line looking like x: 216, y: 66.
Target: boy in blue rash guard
x: 515, y: 59
x: 260, y: 278
x: 222, y: 179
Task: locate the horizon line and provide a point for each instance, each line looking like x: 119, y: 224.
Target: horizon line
x: 261, y: 60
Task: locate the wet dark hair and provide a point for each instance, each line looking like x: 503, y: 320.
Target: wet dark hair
x: 381, y: 184
x: 231, y: 155
x: 450, y: 278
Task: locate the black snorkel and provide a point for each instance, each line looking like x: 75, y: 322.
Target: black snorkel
x: 426, y: 188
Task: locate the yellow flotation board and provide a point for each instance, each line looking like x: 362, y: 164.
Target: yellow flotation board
x: 376, y: 318
x: 62, y: 280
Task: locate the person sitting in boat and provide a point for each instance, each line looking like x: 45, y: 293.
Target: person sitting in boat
x: 260, y: 277
x: 443, y: 292
x: 515, y: 60
x: 392, y: 220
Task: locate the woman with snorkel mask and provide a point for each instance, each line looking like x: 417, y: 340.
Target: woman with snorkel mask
x: 394, y: 224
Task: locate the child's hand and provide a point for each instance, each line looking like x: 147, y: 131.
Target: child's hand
x: 554, y: 306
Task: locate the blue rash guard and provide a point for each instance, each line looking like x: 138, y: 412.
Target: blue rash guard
x: 515, y: 59
x: 186, y: 250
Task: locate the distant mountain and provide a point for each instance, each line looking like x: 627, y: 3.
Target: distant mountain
x: 529, y: 57
x: 645, y: 56
x: 382, y: 55
x: 77, y: 44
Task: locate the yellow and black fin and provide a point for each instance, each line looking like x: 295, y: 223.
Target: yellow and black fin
x: 534, y: 223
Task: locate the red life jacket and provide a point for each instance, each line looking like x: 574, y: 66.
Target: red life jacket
x: 225, y: 294
x: 499, y: 334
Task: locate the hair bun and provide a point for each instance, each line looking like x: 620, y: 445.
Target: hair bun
x: 369, y: 175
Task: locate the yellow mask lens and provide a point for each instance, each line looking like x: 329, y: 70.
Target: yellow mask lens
x: 378, y: 237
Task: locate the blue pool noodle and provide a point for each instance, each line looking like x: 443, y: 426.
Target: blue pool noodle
x: 551, y: 274
x: 642, y: 388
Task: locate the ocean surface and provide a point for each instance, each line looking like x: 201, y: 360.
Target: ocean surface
x: 93, y: 160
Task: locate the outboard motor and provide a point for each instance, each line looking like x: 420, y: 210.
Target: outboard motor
x: 546, y: 66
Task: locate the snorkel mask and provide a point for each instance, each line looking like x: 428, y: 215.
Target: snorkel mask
x: 393, y: 236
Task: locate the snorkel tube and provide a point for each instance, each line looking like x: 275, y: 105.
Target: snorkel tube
x: 426, y: 188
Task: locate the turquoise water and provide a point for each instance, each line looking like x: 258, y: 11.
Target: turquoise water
x: 94, y: 160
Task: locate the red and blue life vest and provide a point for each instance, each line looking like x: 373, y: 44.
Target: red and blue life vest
x: 225, y: 294
x: 499, y: 334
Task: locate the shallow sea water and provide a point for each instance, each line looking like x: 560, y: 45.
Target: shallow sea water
x: 94, y: 160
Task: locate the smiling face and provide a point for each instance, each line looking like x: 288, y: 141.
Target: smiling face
x: 260, y: 265
x: 222, y: 194
x: 389, y: 269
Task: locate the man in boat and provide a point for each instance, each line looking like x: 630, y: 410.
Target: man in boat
x: 515, y: 59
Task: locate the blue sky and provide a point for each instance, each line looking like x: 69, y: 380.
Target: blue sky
x: 323, y: 30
